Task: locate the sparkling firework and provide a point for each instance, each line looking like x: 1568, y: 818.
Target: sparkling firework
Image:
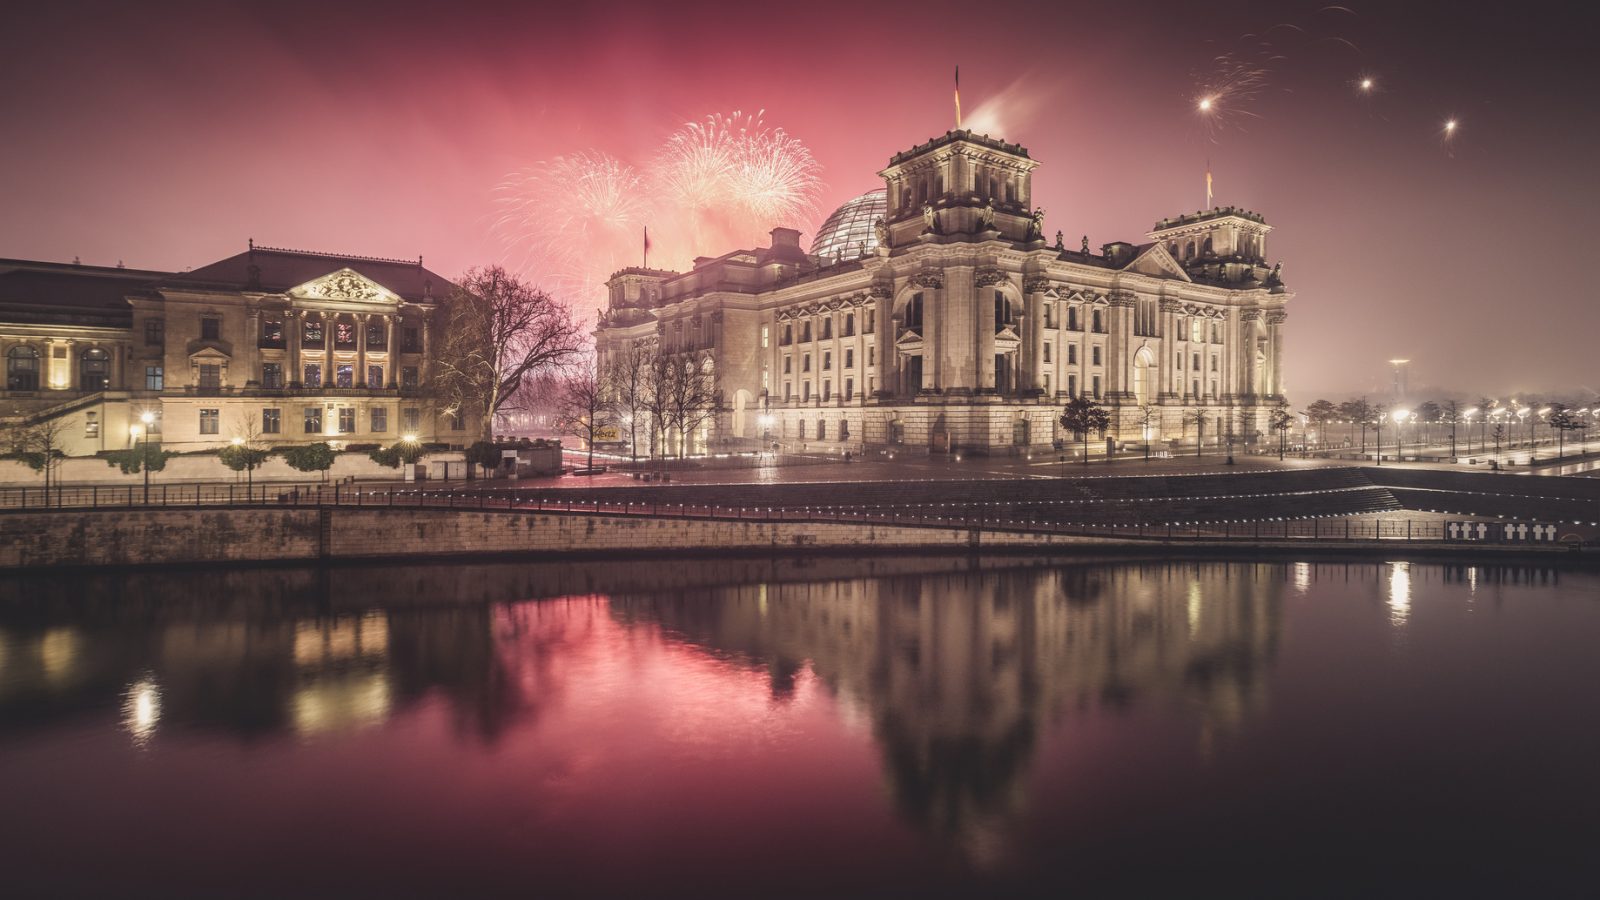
x: 567, y: 218
x: 743, y: 173
x: 1226, y: 94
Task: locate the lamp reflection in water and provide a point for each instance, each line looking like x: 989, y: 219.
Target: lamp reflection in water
x: 1399, y: 593
x: 141, y: 710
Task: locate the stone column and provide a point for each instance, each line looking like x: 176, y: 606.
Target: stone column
x: 931, y: 283
x: 1275, y: 320
x: 882, y: 299
x: 329, y: 321
x: 294, y: 378
x: 1120, y: 327
x: 1169, y: 348
x: 118, y: 380
x: 426, y: 373
x: 361, y: 350
x: 1033, y: 335
x: 389, y: 354
x: 986, y: 377
x: 1247, y: 352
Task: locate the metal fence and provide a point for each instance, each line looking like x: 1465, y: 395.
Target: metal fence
x: 314, y: 495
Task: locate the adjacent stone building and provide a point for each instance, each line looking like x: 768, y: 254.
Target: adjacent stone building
x: 952, y: 322
x: 276, y: 346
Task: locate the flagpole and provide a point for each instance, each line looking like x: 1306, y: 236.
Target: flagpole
x: 958, y: 98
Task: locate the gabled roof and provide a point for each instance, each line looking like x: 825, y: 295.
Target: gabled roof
x: 1154, y: 260
x: 278, y: 270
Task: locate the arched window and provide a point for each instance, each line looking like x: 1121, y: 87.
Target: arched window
x: 1206, y: 248
x: 22, y: 369
x: 1188, y: 250
x: 94, y: 370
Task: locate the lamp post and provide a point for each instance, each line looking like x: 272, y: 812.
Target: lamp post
x: 1399, y: 416
x: 1523, y: 415
x: 1468, y: 417
x: 148, y: 418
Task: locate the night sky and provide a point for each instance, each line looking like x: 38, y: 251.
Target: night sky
x: 166, y: 135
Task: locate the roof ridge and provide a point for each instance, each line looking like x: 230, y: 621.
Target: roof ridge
x: 382, y: 259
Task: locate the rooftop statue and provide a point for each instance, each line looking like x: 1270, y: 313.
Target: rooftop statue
x: 880, y: 229
x: 986, y: 216
x: 930, y: 218
x: 1036, y: 225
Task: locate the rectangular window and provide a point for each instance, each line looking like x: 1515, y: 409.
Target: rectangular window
x: 827, y: 328
x: 271, y: 334
x: 872, y: 355
x: 1097, y: 387
x: 1072, y: 385
x: 408, y: 378
x: 210, y: 328
x: 411, y: 419
x: 458, y: 422
x: 313, y: 375
x: 210, y: 375
x: 849, y: 324
x: 849, y: 358
x: 377, y: 336
x: 344, y: 376
x: 827, y: 360
x: 155, y: 332
x: 313, y: 420
x: 1072, y: 354
x: 872, y: 322
x: 766, y: 335
x: 827, y: 391
x: 272, y: 375
x: 311, y: 333
x: 344, y: 335
x: 1199, y: 331
x: 1072, y: 318
x: 805, y: 332
x: 210, y: 421
x: 380, y: 420
x: 805, y: 363
x: 410, y: 340
x: 374, y: 376
x: 347, y: 419
x: 788, y: 391
x: 271, y: 420
x: 1047, y: 384
x: 1197, y: 387
x: 1197, y: 362
x: 1213, y: 363
x: 91, y: 425
x: 788, y: 364
x: 1046, y: 352
x: 849, y: 388
x: 822, y: 429
x: 154, y: 379
x: 1095, y: 358
x: 805, y: 392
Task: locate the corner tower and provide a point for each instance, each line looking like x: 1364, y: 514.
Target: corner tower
x: 966, y: 183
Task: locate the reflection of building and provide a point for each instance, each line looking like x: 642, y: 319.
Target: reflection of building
x: 960, y: 675
x: 297, y: 347
x: 955, y: 321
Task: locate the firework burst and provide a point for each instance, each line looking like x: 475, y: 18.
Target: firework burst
x: 563, y: 218
x: 1225, y: 94
x: 734, y: 166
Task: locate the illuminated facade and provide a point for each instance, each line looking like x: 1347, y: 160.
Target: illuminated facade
x: 276, y: 346
x: 963, y: 327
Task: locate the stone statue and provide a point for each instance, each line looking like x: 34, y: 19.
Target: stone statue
x: 1085, y: 248
x: 880, y: 229
x: 1275, y: 278
x: 986, y: 216
x: 930, y: 218
x: 1036, y: 225
x: 1058, y: 239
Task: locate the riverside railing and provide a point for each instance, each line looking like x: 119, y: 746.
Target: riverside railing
x: 1330, y: 528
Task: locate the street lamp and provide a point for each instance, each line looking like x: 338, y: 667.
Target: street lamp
x: 1399, y: 416
x: 1468, y: 417
x: 148, y: 418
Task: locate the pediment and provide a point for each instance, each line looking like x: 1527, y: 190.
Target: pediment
x: 910, y: 342
x: 210, y: 351
x: 1157, y: 262
x: 345, y: 285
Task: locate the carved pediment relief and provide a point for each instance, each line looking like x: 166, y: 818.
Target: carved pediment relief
x: 1157, y: 262
x: 346, y: 285
x: 208, y: 351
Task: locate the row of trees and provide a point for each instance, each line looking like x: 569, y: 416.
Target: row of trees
x: 1494, y: 421
x: 1083, y: 416
x: 652, y: 395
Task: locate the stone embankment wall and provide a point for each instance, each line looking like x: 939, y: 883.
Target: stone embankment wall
x: 172, y: 536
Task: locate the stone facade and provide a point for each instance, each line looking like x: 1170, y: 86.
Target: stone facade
x: 962, y: 328
x: 275, y: 346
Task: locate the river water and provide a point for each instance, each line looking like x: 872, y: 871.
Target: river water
x: 836, y: 728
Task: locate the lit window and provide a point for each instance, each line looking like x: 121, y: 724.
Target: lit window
x: 347, y: 419
x: 380, y: 420
x: 210, y: 421
x: 313, y: 418
x: 271, y: 420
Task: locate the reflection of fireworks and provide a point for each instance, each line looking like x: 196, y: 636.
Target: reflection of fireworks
x: 718, y: 183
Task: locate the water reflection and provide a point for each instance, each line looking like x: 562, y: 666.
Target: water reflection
x: 958, y: 689
x: 960, y: 676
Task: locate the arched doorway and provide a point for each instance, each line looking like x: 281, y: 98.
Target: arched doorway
x: 22, y: 369
x: 94, y: 370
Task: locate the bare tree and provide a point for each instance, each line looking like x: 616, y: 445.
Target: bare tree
x: 1200, y: 418
x: 1149, y: 414
x: 690, y: 401
x: 584, y: 407
x: 1281, y: 420
x: 38, y: 446
x: 628, y: 376
x: 498, y: 332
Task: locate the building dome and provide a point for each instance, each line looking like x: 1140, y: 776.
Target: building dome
x: 848, y: 232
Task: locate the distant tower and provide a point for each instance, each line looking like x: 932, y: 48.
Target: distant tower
x: 1400, y: 386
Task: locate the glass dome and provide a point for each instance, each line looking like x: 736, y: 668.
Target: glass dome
x: 848, y: 233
